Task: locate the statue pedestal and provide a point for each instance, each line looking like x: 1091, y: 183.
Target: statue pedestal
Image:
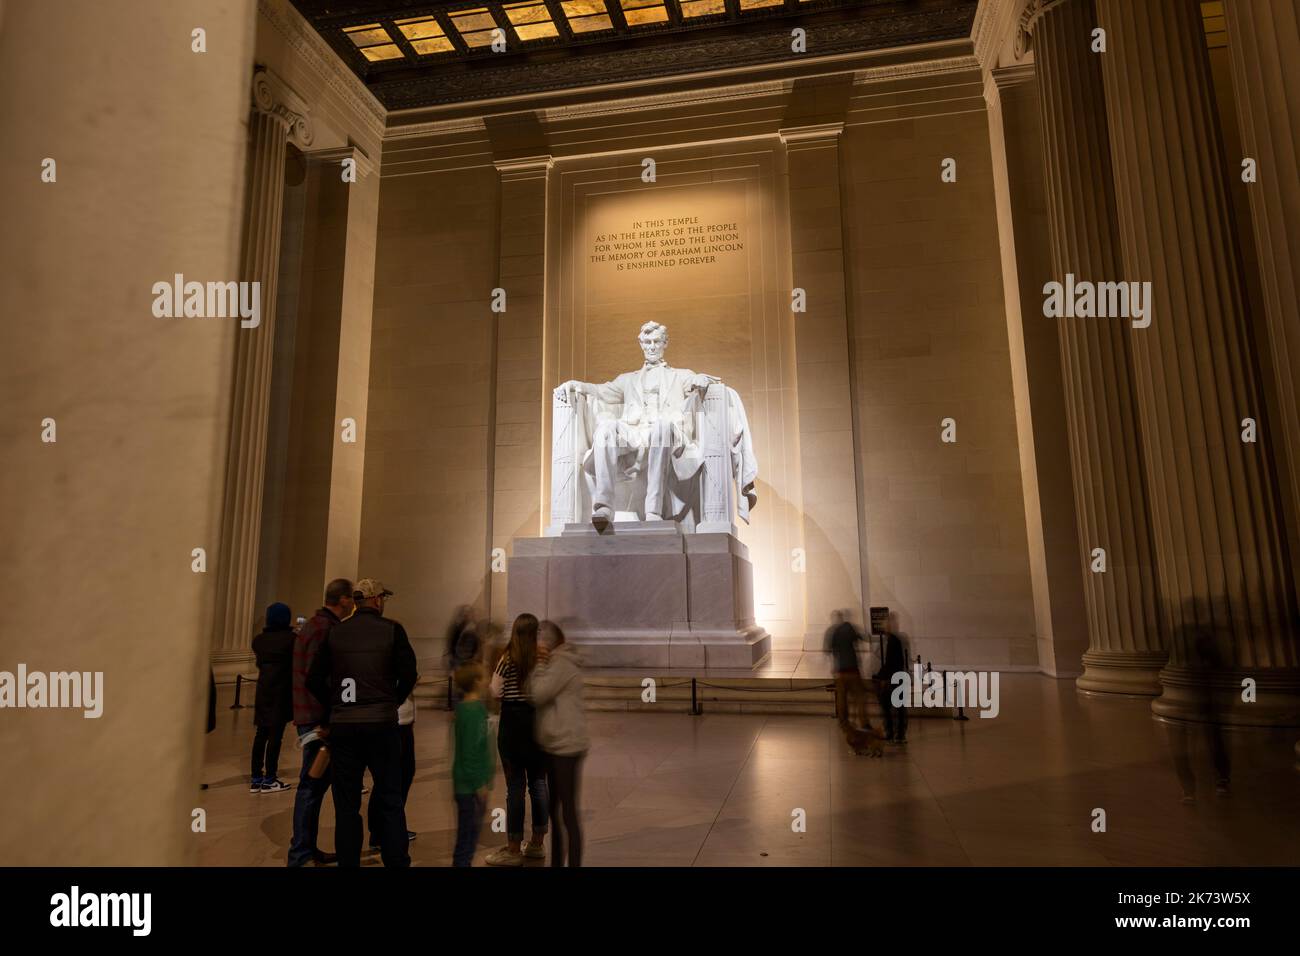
x: 642, y: 595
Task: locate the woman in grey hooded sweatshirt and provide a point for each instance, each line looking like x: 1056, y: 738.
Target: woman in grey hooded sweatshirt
x: 555, y: 687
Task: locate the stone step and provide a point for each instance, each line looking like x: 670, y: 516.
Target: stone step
x: 715, y: 695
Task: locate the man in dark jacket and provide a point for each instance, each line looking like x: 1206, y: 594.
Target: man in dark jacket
x: 308, y: 713
x: 273, y: 705
x: 895, y: 660
x: 364, y: 669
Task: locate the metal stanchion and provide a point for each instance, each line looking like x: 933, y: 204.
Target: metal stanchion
x: 695, y: 704
x: 239, y: 683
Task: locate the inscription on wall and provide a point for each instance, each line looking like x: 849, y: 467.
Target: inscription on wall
x: 665, y: 243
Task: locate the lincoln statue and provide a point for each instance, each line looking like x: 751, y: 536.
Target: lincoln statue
x: 644, y: 424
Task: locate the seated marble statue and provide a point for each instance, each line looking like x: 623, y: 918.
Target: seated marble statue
x: 645, y: 424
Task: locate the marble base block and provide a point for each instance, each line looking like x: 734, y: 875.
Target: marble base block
x: 641, y: 594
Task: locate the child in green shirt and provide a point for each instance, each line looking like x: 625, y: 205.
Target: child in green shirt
x: 472, y: 765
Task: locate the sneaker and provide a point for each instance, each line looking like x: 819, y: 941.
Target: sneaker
x: 504, y: 856
x: 410, y: 836
x: 274, y: 785
x: 255, y: 785
x: 534, y: 851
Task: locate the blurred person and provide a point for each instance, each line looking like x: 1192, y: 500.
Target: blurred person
x: 555, y: 689
x: 365, y: 668
x: 212, y: 702
x: 1199, y: 642
x: 273, y: 703
x: 472, y: 765
x: 308, y: 714
x: 893, y: 661
x: 463, y: 645
x: 521, y: 759
x: 212, y: 709
x: 841, y: 642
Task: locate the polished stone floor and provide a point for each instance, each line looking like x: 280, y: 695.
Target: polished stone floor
x: 723, y: 790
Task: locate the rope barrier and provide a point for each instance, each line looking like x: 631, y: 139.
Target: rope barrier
x: 239, y: 683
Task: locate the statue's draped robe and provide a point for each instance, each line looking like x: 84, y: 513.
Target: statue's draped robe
x: 628, y: 399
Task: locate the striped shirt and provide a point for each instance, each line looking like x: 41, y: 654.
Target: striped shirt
x: 511, y: 685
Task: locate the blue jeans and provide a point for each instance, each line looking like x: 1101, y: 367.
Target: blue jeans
x: 469, y: 821
x: 306, y: 805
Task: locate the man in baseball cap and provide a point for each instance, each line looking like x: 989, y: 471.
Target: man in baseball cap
x: 365, y: 669
x: 371, y: 588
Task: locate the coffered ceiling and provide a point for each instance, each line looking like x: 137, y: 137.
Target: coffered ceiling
x: 417, y: 54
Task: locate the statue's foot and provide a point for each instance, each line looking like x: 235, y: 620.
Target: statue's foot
x: 601, y: 515
x: 651, y: 516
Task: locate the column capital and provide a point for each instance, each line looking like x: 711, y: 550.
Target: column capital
x: 816, y: 135
x: 365, y: 165
x: 1029, y: 17
x: 273, y: 97
x: 524, y: 167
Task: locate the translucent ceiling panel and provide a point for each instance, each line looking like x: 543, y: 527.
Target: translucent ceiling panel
x: 586, y: 16
x: 426, y: 35
x: 367, y: 34
x: 702, y: 8
x: 640, y: 12
x: 374, y: 42
x: 531, y: 20
x: 475, y: 25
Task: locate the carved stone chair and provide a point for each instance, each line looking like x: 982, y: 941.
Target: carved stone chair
x: 710, y: 493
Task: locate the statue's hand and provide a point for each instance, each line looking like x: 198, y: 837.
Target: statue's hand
x: 568, y: 390
x: 702, y: 382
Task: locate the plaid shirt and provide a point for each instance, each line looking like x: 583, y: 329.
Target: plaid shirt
x: 307, y: 710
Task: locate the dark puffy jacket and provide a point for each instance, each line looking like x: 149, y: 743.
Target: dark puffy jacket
x: 375, y: 654
x: 895, y: 660
x: 273, y: 706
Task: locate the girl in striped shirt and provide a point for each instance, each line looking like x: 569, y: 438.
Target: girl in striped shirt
x: 522, y: 761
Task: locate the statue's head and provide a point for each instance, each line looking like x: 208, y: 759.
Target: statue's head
x: 654, y: 341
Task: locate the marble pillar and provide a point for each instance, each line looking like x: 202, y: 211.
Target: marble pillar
x: 518, y: 428
x: 1060, y: 617
x: 352, y: 386
x: 148, y: 138
x: 278, y: 115
x: 1226, y: 580
x: 822, y: 347
x: 1264, y: 47
x: 1126, y: 649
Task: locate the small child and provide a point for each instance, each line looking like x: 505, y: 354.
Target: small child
x: 472, y: 765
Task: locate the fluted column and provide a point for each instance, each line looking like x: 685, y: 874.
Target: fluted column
x: 1225, y: 578
x: 277, y: 116
x: 1126, y: 649
x: 1264, y: 44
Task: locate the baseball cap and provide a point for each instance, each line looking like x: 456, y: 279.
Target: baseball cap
x: 370, y: 588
